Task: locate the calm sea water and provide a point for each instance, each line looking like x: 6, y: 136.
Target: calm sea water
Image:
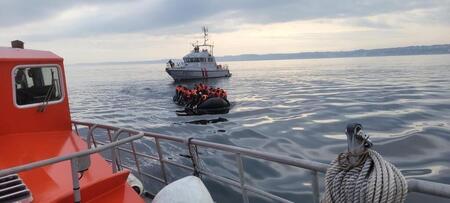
x: 297, y: 108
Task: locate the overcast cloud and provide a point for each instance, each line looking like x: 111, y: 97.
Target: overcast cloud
x: 100, y: 25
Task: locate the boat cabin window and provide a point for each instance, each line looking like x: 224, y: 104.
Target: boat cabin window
x: 194, y: 60
x: 37, y: 85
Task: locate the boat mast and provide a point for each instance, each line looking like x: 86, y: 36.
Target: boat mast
x: 205, y: 35
x: 205, y: 39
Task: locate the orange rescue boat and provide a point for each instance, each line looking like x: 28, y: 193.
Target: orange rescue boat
x: 42, y: 159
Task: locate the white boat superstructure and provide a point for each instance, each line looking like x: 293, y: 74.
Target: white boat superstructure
x: 199, y: 64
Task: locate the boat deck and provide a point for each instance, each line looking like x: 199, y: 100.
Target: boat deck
x: 53, y: 183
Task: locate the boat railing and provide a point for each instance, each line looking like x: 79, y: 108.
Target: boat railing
x: 314, y: 168
x: 222, y: 66
x: 77, y: 161
x: 180, y: 65
x: 176, y: 65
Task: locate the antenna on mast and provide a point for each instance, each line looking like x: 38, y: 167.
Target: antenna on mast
x: 205, y: 40
x: 205, y: 35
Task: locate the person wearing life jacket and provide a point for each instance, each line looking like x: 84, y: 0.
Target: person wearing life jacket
x: 184, y: 96
x: 175, y: 98
x: 178, y: 93
x: 193, y: 100
x: 224, y: 94
x: 210, y: 93
x: 196, y: 99
x: 203, y: 98
x: 217, y: 92
x: 190, y: 94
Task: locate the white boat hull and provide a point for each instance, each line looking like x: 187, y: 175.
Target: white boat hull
x: 186, y: 74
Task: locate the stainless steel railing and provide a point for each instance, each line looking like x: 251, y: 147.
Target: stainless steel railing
x: 74, y: 162
x: 419, y: 186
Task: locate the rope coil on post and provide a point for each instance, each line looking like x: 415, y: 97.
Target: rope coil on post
x: 362, y: 175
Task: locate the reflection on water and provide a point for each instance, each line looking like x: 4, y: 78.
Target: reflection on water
x: 205, y: 121
x: 296, y: 107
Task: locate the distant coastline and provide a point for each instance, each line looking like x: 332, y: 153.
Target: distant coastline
x: 396, y: 51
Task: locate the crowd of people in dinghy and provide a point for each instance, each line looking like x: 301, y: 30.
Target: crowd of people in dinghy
x: 200, y: 93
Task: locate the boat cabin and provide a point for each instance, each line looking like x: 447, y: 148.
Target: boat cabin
x: 34, y: 94
x: 197, y: 56
x: 36, y: 125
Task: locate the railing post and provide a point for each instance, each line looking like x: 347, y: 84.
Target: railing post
x: 135, y: 157
x: 109, y: 134
x: 90, y: 136
x: 241, y: 177
x: 75, y: 181
x: 114, y: 159
x: 76, y: 128
x: 115, y: 155
x: 160, y: 156
x: 193, y: 154
x: 315, y: 186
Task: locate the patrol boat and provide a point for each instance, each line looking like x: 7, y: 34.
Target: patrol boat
x: 199, y: 64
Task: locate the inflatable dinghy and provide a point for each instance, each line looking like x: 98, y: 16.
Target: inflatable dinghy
x: 214, y: 105
x: 201, y: 100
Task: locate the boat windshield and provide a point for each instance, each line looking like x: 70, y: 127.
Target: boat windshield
x: 36, y: 85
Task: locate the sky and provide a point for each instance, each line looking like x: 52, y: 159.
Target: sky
x: 86, y: 31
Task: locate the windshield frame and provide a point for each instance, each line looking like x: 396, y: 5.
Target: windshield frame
x: 60, y: 78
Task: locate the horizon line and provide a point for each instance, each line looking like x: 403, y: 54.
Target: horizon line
x: 281, y: 53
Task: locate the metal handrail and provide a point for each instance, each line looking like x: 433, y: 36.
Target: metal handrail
x: 428, y: 187
x: 73, y: 159
x: 414, y: 185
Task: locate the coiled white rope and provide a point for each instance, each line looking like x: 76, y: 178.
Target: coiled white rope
x: 371, y: 179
